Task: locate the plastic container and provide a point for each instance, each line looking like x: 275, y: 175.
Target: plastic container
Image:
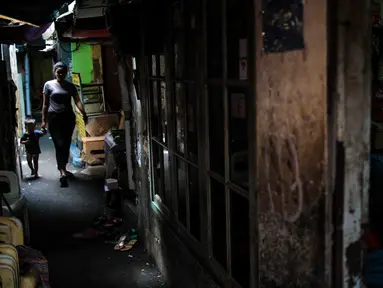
x: 111, y: 184
x: 76, y: 156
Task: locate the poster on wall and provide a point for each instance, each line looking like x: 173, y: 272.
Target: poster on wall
x: 238, y: 105
x: 376, y: 13
x: 243, y: 69
x: 282, y: 25
x: 243, y: 59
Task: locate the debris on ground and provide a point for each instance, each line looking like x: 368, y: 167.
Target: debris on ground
x: 92, y: 161
x: 109, y: 229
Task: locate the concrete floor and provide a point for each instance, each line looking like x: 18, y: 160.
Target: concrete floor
x: 56, y: 213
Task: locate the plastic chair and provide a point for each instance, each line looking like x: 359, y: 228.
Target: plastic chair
x: 12, y: 180
x: 30, y: 280
x: 8, y: 272
x: 14, y: 201
x: 16, y: 230
x: 9, y: 269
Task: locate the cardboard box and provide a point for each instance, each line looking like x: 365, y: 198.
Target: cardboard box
x: 99, y: 125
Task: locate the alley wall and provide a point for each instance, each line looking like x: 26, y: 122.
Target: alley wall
x: 291, y: 148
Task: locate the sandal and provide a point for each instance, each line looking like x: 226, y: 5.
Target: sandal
x: 112, y: 222
x: 100, y: 220
x: 121, y: 243
x: 87, y: 234
x: 128, y: 246
x: 106, y: 222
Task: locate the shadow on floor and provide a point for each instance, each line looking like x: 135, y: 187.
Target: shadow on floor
x: 56, y: 213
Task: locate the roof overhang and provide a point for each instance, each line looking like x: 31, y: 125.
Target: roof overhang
x: 21, y: 34
x: 86, y: 22
x: 34, y: 18
x: 37, y: 12
x: 87, y: 34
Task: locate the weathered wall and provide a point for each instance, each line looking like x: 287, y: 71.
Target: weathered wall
x: 175, y: 261
x: 353, y: 95
x: 111, y: 81
x: 65, y: 55
x: 41, y: 71
x: 8, y: 122
x: 291, y: 147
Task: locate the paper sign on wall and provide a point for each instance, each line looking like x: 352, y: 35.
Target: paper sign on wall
x: 243, y: 59
x: 282, y: 25
x: 242, y: 48
x: 238, y: 105
x: 243, y: 69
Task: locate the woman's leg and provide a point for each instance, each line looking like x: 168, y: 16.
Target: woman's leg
x: 56, y: 131
x: 67, y: 141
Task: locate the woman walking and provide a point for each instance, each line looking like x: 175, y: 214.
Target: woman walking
x: 58, y: 113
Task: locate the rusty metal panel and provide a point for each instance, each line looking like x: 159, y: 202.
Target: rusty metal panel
x: 292, y: 147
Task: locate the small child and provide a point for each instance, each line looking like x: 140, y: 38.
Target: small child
x: 31, y: 140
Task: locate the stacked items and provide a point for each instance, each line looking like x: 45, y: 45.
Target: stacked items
x: 12, y: 274
x: 93, y: 137
x: 116, y: 166
x: 113, y: 197
x: 20, y: 266
x: 103, y: 226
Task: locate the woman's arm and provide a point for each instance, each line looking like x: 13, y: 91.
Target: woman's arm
x: 44, y: 111
x: 80, y: 106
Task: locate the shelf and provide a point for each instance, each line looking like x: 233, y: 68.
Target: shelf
x: 93, y: 102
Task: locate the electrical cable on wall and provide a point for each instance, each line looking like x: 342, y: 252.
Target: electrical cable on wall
x: 71, y: 51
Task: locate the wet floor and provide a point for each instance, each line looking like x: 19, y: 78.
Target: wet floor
x: 56, y: 213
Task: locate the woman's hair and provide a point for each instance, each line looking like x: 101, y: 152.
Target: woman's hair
x: 59, y: 65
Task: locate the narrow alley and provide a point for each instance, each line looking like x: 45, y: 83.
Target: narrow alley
x: 57, y: 213
x: 234, y: 143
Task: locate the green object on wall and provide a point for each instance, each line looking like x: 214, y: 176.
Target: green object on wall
x: 82, y: 61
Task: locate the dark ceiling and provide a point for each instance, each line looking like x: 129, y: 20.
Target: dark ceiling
x: 37, y: 12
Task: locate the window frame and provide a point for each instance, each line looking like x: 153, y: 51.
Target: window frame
x: 203, y: 247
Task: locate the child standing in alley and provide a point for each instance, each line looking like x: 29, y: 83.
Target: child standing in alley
x: 31, y: 140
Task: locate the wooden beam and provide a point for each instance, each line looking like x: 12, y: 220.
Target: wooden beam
x: 18, y: 21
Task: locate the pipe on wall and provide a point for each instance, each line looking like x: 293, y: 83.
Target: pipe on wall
x: 6, y: 58
x: 27, y: 86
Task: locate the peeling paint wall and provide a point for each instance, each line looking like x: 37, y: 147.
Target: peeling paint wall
x: 15, y: 77
x: 87, y: 60
x: 353, y: 134
x: 96, y: 64
x: 291, y: 143
x: 65, y: 55
x: 111, y: 79
x: 41, y: 72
